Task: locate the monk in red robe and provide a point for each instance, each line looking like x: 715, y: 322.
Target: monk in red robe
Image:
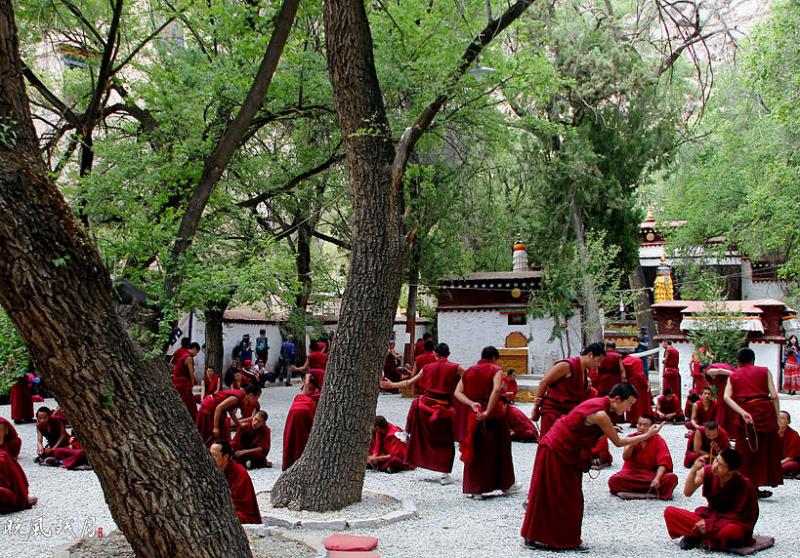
x: 511, y: 387
x: 211, y: 383
x: 183, y: 377
x: 610, y: 371
x: 717, y: 374
x: 72, y: 457
x: 429, y: 424
x: 315, y: 365
x: 647, y: 466
x: 51, y: 432
x: 242, y: 491
x: 13, y: 486
x: 21, y: 401
x: 751, y: 393
x: 704, y: 410
x: 564, y: 386
x: 555, y: 502
x: 601, y: 455
x: 211, y: 420
x: 427, y: 356
x: 419, y: 346
x: 486, y: 449
x: 522, y: 428
x: 252, y: 442
x: 732, y: 511
x: 634, y: 370
x: 699, y: 380
x: 387, y: 452
x: 708, y: 440
x: 668, y: 408
x: 671, y: 376
x: 299, y: 421
x: 9, y: 439
x: 790, y: 444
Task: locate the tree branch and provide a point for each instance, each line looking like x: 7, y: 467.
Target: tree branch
x: 86, y: 23
x: 141, y: 45
x: 57, y: 104
x: 335, y: 241
x: 105, y: 63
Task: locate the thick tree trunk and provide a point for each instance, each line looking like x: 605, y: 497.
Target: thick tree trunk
x: 644, y: 316
x: 592, y: 327
x: 162, y: 487
x: 215, y: 349
x: 411, y: 309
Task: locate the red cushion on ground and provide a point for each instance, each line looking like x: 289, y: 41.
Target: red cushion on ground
x: 341, y: 554
x: 761, y: 543
x: 351, y: 543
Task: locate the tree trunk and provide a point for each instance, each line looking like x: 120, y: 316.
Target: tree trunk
x: 644, y: 316
x: 373, y: 287
x: 592, y: 327
x: 411, y: 310
x: 163, y: 488
x: 215, y: 348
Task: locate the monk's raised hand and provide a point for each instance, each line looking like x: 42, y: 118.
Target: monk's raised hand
x: 655, y: 429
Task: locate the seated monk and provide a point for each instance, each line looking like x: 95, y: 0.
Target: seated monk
x: 71, y: 457
x: 9, y: 439
x: 299, y: 421
x: 387, y: 452
x: 647, y: 466
x: 392, y: 370
x: 708, y: 440
x: 242, y: 491
x: 51, y: 428
x: 691, y: 399
x: 522, y: 428
x: 252, y: 442
x: 668, y: 407
x: 790, y: 440
x: 211, y: 421
x: 601, y: 456
x: 13, y: 486
x: 732, y: 511
x: 704, y: 410
x: 211, y: 384
x: 510, y: 387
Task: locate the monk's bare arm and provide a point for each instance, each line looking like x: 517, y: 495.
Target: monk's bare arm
x: 627, y: 453
x: 622, y: 374
x: 694, y: 479
x: 602, y: 420
x: 229, y: 403
x: 461, y: 396
x: 557, y: 372
x: 697, y: 442
x: 694, y: 415
x: 62, y: 438
x: 659, y: 474
x: 734, y: 405
x: 497, y: 387
x: 774, y: 395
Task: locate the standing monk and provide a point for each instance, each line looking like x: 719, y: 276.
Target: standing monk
x: 565, y: 386
x: 555, y: 501
x: 13, y: 486
x: 242, y: 491
x: 211, y: 421
x: 486, y: 449
x: 647, y: 466
x: 718, y: 374
x: 671, y: 378
x: 429, y: 423
x: 611, y: 371
x: 9, y: 439
x: 751, y: 393
x: 183, y: 376
x: 299, y: 421
x: 21, y: 401
x: 790, y: 443
x: 387, y: 452
x: 427, y: 356
x: 634, y: 370
x: 699, y: 380
x: 252, y: 442
x: 315, y: 365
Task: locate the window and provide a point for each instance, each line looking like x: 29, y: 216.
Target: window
x: 517, y: 319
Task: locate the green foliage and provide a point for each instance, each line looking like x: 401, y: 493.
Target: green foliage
x: 14, y: 359
x: 720, y: 335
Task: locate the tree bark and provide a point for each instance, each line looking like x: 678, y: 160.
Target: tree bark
x: 215, y: 348
x: 644, y: 316
x: 163, y: 488
x: 592, y: 327
x: 411, y: 309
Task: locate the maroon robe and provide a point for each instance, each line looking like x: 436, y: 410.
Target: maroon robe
x: 51, y: 431
x: 243, y: 493
x: 317, y: 360
x: 71, y: 456
x: 726, y: 418
x: 699, y: 380
x: 601, y: 452
x: 641, y: 468
x: 13, y: 485
x: 723, y: 442
x: 608, y: 373
x: 21, y: 400
x: 420, y: 362
x: 522, y: 427
x: 390, y: 444
x: 391, y: 368
x: 248, y: 438
x: 205, y: 416
x: 510, y: 389
x: 671, y: 375
x: 11, y: 442
x: 761, y: 457
x: 486, y: 450
x: 419, y: 347
x: 563, y: 395
x: 430, y: 419
x: 790, y: 449
x: 634, y: 370
x: 666, y: 407
x: 555, y: 500
x: 211, y: 384
x: 183, y: 381
x: 299, y: 421
x: 704, y: 415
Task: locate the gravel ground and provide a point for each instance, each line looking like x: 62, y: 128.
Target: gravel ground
x: 371, y: 506
x: 71, y: 504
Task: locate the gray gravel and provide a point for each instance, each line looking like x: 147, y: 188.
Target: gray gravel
x: 371, y: 506
x: 71, y: 503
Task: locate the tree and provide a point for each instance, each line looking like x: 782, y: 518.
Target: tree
x: 58, y: 294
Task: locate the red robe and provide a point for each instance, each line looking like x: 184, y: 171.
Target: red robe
x: 11, y: 442
x: 666, y: 407
x: 671, y: 375
x: 243, y: 493
x: 699, y: 380
x: 248, y: 438
x: 430, y: 419
x: 522, y: 427
x: 640, y: 469
x: 723, y: 442
x: 634, y: 370
x: 725, y: 418
x: 761, y: 458
x: 51, y: 431
x: 601, y: 452
x: 13, y: 485
x: 564, y: 394
x: 790, y: 449
x: 510, y: 389
x: 21, y: 400
x: 555, y: 500
x: 183, y: 381
x: 205, y: 416
x: 420, y: 362
x: 486, y: 450
x: 730, y: 515
x: 71, y: 456
x: 702, y: 415
x: 317, y: 360
x: 609, y: 373
x: 211, y: 384
x: 390, y: 444
x: 299, y: 421
x: 419, y: 347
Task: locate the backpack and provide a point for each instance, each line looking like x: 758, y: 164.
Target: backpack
x: 261, y: 344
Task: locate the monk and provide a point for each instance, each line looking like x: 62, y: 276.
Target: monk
x: 427, y: 356
x: 315, y: 365
x: 9, y: 439
x: 252, y: 442
x: 511, y: 387
x: 522, y: 428
x: 691, y: 399
x: 732, y: 511
x: 610, y: 371
x: 13, y: 486
x: 790, y: 444
x: 211, y: 383
x: 392, y: 370
x: 419, y: 345
x: 299, y: 421
x: 703, y: 410
x: 564, y: 386
x: 709, y: 440
x: 717, y: 374
x: 242, y: 491
x: 751, y: 393
x: 72, y: 457
x: 668, y: 407
x: 183, y: 376
x: 634, y: 371
x: 555, y: 502
x: 431, y: 444
x: 647, y: 466
x: 601, y: 456
x: 50, y: 428
x: 387, y: 452
x: 21, y: 401
x: 486, y: 449
x: 211, y: 421
x: 699, y: 380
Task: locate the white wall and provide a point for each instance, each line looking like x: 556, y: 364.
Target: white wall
x: 468, y: 332
x: 232, y: 334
